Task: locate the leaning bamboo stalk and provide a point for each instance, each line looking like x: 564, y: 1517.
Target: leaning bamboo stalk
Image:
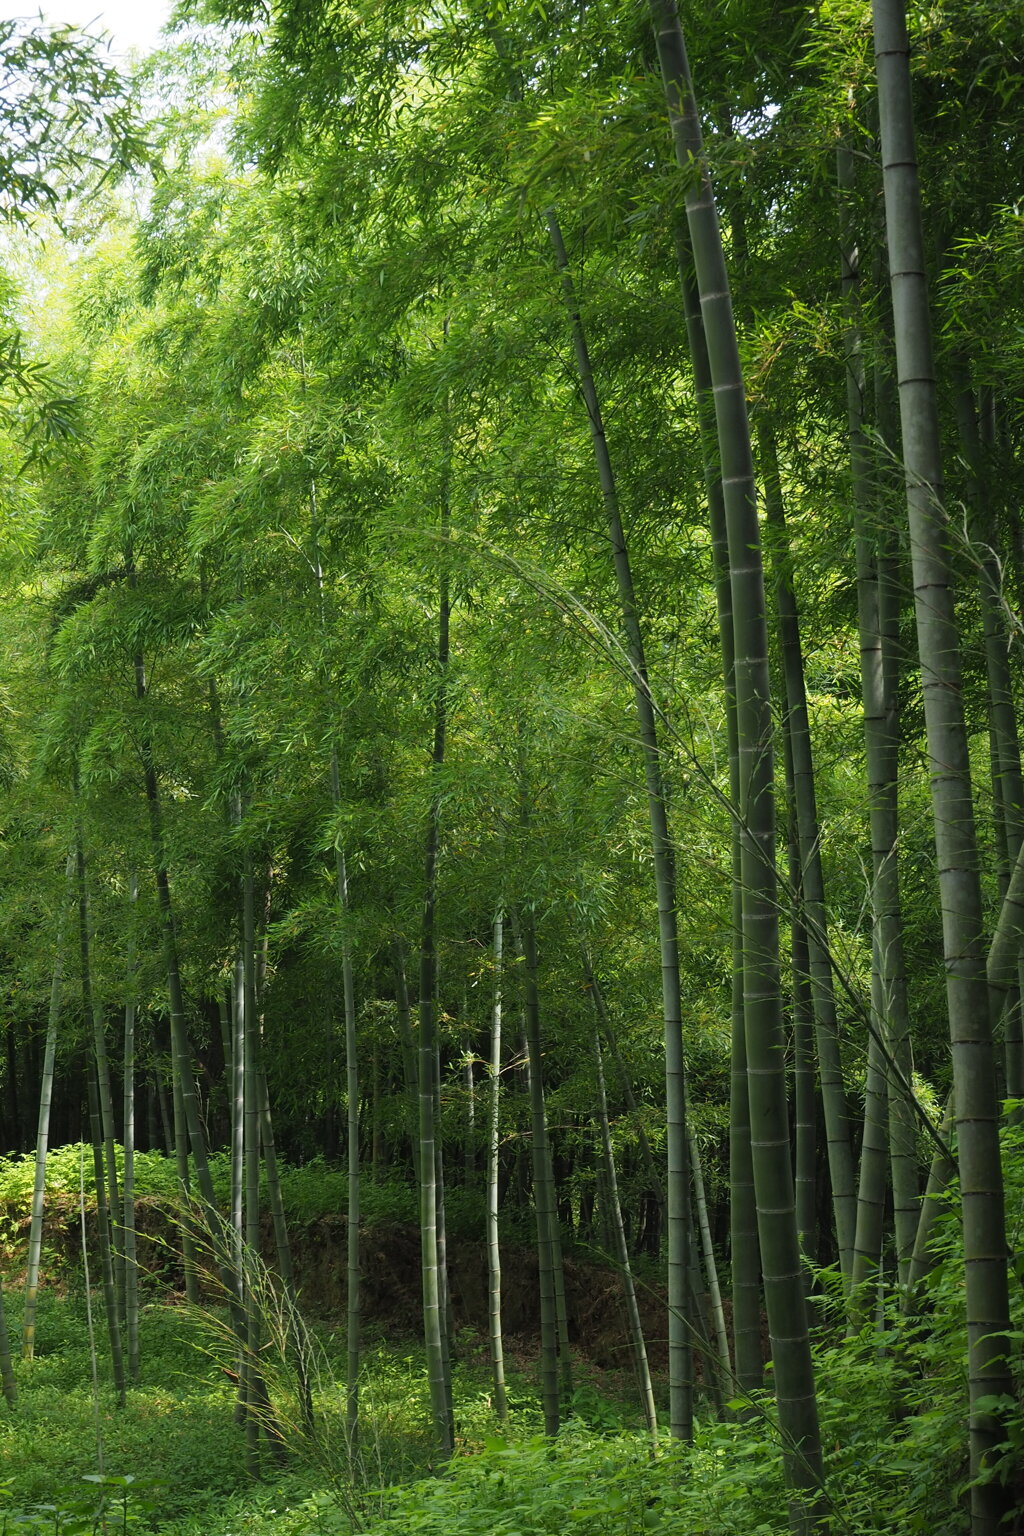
x: 680, y: 1354
x: 765, y: 1041
x: 710, y: 1265
x: 743, y: 1239
x: 812, y: 883
x: 622, y: 1252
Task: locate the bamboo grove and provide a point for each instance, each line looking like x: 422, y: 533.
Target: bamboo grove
x: 511, y: 665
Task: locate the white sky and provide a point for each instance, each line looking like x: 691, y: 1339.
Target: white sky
x: 132, y: 24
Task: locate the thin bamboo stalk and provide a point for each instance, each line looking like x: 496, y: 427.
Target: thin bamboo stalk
x: 35, y: 1235
x: 622, y: 1252
x: 680, y: 1355
x: 131, y: 1271
x: 493, y: 1149
x: 522, y: 925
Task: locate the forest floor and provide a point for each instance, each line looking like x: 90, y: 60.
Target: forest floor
x: 173, y: 1460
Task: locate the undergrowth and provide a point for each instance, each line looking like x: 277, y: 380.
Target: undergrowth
x: 892, y: 1402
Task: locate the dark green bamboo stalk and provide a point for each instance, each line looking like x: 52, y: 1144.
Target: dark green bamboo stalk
x: 744, y: 1242
x: 878, y: 602
x: 35, y: 1235
x: 765, y: 1041
x: 1007, y: 780
x: 805, y: 1104
x: 1005, y: 954
x: 812, y: 883
x: 680, y: 1354
x: 977, y: 1108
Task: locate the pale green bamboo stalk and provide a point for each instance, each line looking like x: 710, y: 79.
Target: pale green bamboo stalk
x: 636, y: 1330
x: 131, y: 1272
x: 977, y: 1108
x: 434, y: 1320
x: 103, y: 1230
x: 238, y: 1110
x: 352, y: 1094
x: 188, y: 1242
x: 522, y: 924
x: 106, y: 1104
x: 251, y: 1162
x: 96, y: 1134
x: 493, y: 1148
x: 873, y: 1184
x: 35, y: 1235
x: 612, y: 1046
x: 710, y: 1264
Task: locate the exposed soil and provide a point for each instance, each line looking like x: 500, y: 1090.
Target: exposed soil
x: 391, y: 1280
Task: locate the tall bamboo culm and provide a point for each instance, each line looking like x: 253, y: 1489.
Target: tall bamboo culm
x: 765, y: 1040
x: 878, y: 605
x: 977, y: 1108
x: 745, y: 1251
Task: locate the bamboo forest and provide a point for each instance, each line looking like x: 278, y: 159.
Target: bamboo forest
x: 511, y: 790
